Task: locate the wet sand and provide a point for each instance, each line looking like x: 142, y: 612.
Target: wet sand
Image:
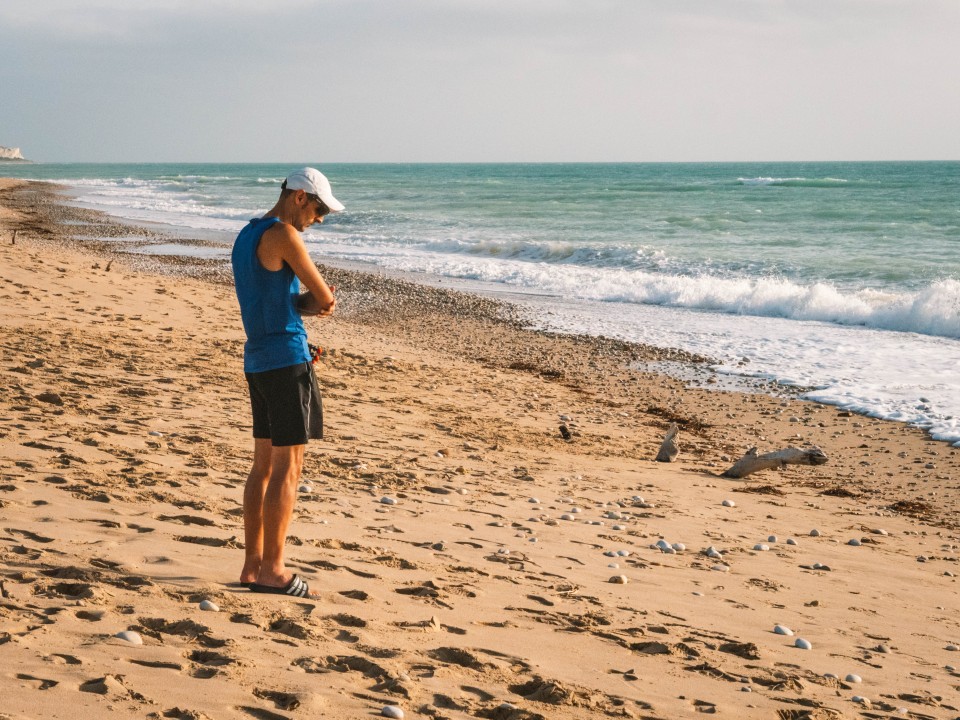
x: 464, y: 549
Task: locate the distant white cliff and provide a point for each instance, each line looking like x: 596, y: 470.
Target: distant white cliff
x: 10, y: 153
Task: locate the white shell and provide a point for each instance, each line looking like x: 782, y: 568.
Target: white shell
x: 130, y: 636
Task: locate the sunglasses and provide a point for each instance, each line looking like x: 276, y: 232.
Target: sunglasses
x: 321, y: 205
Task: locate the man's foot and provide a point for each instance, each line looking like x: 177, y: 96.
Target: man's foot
x: 297, y: 587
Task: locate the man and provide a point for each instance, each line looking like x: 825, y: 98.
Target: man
x: 270, y: 261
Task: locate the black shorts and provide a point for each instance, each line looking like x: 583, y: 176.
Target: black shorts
x: 286, y: 404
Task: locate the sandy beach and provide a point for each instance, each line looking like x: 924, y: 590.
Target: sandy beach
x: 473, y: 562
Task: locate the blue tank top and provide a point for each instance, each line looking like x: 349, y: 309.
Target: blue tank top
x: 276, y: 337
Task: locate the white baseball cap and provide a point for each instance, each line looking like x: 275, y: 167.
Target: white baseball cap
x: 315, y: 182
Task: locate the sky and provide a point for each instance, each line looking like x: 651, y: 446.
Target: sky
x: 480, y: 80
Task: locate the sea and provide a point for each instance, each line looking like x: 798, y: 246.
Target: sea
x: 840, y: 280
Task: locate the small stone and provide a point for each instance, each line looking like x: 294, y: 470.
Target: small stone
x: 879, y: 531
x: 761, y: 547
x: 535, y: 501
x: 791, y: 541
x: 729, y: 503
x: 712, y: 552
x: 619, y: 527
x: 305, y: 488
x: 883, y: 649
x: 782, y: 630
x: 209, y: 606
x: 619, y: 580
x: 663, y: 545
x: 814, y: 533
x: 821, y: 566
x: 720, y: 568
x: 861, y: 699
x: 803, y: 644
x: 854, y: 542
x: 614, y: 566
x: 851, y: 678
x: 952, y: 648
x: 387, y: 500
x: 772, y: 538
x: 623, y: 553
x: 154, y: 433
x: 566, y: 516
x: 679, y: 547
x: 130, y: 636
x: 391, y: 711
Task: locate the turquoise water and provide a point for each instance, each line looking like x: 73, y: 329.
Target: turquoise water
x: 857, y: 264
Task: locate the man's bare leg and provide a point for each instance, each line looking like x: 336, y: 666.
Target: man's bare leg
x: 253, y: 495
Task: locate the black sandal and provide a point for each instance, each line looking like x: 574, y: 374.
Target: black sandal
x: 296, y: 588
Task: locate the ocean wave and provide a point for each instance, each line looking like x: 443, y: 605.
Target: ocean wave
x: 933, y: 310
x: 798, y: 182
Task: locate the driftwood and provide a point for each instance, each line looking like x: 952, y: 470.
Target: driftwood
x: 669, y: 450
x: 751, y: 462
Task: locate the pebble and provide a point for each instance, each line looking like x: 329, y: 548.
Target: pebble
x: 209, y: 606
x: 782, y: 630
x: 851, y: 678
x: 575, y: 510
x: 950, y: 668
x: 861, y: 699
x: 391, y: 711
x: 130, y: 636
x: 854, y: 542
x: 619, y: 579
x: 791, y: 541
x: 535, y: 501
x: 729, y: 503
x: 821, y: 566
x: 879, y: 531
x: 772, y: 538
x: 814, y: 533
x: 663, y: 545
x: 721, y: 568
x: 803, y: 644
x: 761, y: 547
x: 679, y: 547
x: 882, y: 649
x: 619, y: 527
x: 614, y: 566
x: 712, y: 552
x: 305, y: 488
x: 952, y: 648
x: 566, y: 516
x: 623, y: 553
x: 154, y: 433
x: 387, y: 500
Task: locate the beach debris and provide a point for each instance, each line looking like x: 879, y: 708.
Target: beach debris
x: 751, y: 462
x: 391, y: 711
x: 803, y: 644
x: 130, y: 636
x: 209, y: 606
x: 782, y: 630
x: 729, y: 503
x: 51, y: 398
x: 619, y: 580
x: 668, y: 449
